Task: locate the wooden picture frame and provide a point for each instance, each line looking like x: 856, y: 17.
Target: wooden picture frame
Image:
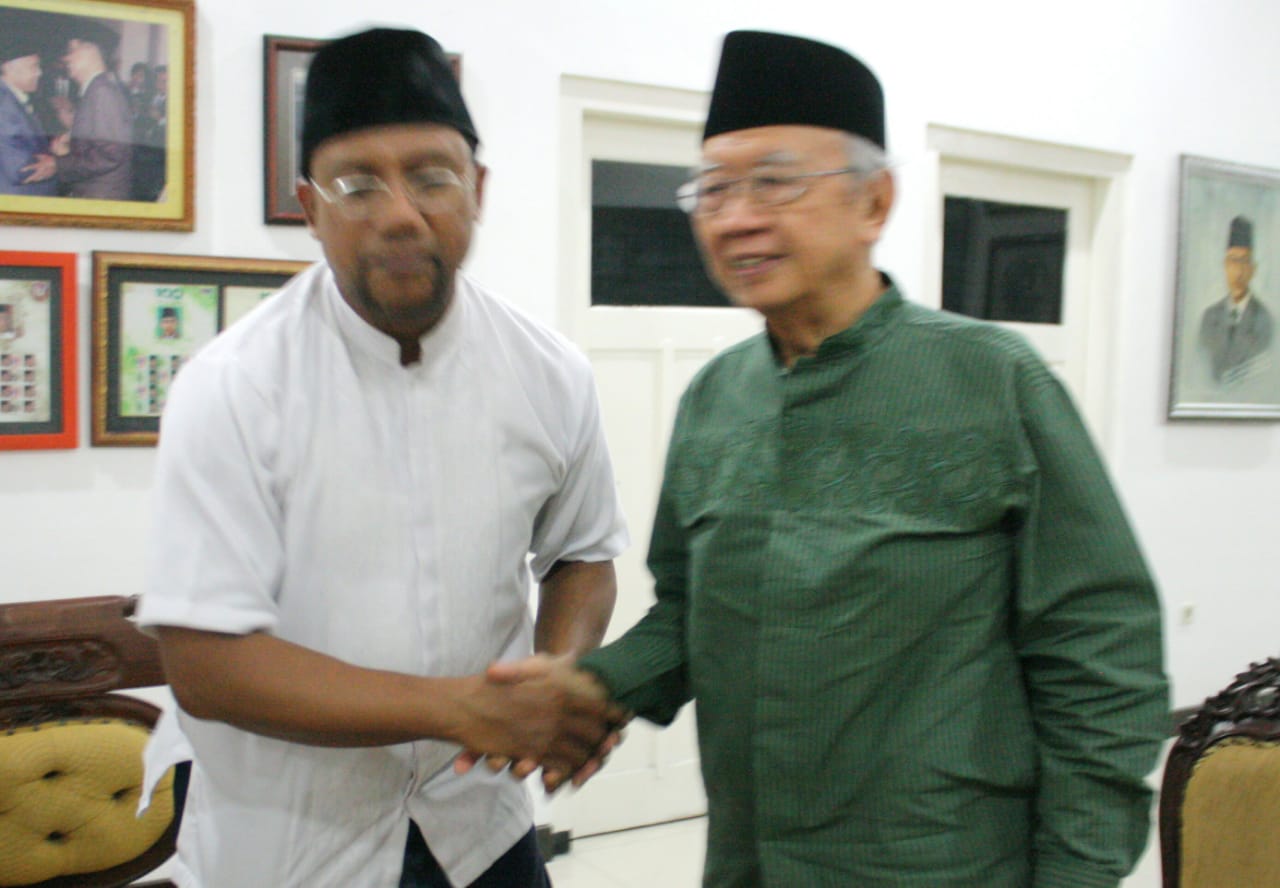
x: 109, y: 131
x: 151, y: 312
x: 37, y: 351
x: 284, y: 63
x: 1225, y: 357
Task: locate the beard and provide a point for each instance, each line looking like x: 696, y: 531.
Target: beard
x: 402, y: 318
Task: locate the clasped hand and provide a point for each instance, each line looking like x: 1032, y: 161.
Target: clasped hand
x: 42, y: 167
x: 541, y: 712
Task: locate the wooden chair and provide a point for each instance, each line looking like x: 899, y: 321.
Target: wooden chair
x: 1220, y: 798
x: 71, y: 748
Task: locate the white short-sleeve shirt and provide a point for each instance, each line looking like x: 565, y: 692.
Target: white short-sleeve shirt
x: 310, y: 486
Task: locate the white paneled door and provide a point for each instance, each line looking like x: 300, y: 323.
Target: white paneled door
x: 643, y: 357
x: 1088, y: 186
x: 1064, y: 345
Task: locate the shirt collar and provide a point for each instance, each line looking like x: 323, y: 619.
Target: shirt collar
x: 863, y: 333
x: 84, y: 89
x: 22, y: 97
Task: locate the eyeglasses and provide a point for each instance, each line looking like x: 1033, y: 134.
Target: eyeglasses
x: 360, y: 196
x: 704, y: 198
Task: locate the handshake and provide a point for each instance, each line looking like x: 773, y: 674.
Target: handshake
x: 541, y: 712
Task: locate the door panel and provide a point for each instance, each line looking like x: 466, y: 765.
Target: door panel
x: 1064, y: 346
x: 643, y: 358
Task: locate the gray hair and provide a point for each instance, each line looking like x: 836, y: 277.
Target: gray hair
x: 864, y: 156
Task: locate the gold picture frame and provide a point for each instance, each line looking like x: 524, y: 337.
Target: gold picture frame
x: 151, y: 312
x: 109, y: 122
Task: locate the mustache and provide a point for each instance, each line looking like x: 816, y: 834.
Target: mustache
x: 404, y: 260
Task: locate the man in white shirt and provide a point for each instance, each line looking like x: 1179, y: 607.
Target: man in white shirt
x: 354, y: 483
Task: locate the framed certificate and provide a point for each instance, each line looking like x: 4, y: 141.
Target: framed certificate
x: 37, y: 351
x: 151, y: 312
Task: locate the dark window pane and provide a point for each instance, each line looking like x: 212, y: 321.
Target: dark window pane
x: 1003, y: 262
x: 642, y: 251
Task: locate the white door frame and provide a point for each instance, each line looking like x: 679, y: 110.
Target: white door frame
x: 1108, y: 173
x: 642, y: 361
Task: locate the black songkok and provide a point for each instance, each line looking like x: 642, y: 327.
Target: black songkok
x: 25, y: 32
x: 16, y: 39
x: 1241, y: 233
x: 770, y: 79
x: 95, y: 32
x: 379, y: 77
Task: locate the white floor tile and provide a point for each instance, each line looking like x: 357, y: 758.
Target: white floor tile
x: 573, y: 871
x: 670, y: 855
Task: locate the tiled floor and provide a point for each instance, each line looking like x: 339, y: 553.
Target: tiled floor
x: 669, y: 855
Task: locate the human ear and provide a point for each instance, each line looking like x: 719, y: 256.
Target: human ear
x: 478, y: 190
x: 307, y: 197
x: 878, y: 196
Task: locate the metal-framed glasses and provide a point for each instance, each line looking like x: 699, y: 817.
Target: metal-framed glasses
x: 703, y: 197
x: 363, y: 195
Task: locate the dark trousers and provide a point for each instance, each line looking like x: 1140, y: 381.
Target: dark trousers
x: 521, y: 867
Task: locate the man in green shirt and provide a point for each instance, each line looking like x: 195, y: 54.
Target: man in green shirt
x: 889, y: 564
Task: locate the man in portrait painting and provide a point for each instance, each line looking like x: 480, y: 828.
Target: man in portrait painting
x: 1236, y: 331
x: 26, y: 166
x: 95, y: 160
x: 168, y: 322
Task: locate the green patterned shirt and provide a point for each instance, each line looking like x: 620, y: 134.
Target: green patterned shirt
x: 925, y: 648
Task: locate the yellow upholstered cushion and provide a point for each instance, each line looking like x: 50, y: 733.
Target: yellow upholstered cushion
x: 68, y: 797
x: 1231, y: 817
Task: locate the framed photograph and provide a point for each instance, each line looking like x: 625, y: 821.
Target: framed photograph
x: 97, y: 113
x: 1225, y: 355
x: 284, y: 64
x: 150, y: 313
x: 37, y: 351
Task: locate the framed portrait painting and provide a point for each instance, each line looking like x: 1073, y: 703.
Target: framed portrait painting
x: 37, y: 351
x: 151, y: 313
x: 97, y: 111
x: 1225, y: 354
x: 284, y: 63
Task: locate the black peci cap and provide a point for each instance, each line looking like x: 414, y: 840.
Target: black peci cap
x: 16, y: 38
x: 93, y: 31
x: 26, y: 32
x: 1241, y: 234
x: 378, y: 77
x: 768, y: 79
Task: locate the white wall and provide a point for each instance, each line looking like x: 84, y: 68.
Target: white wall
x: 1150, y: 78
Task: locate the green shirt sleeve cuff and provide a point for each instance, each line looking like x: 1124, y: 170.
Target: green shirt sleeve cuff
x: 653, y: 697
